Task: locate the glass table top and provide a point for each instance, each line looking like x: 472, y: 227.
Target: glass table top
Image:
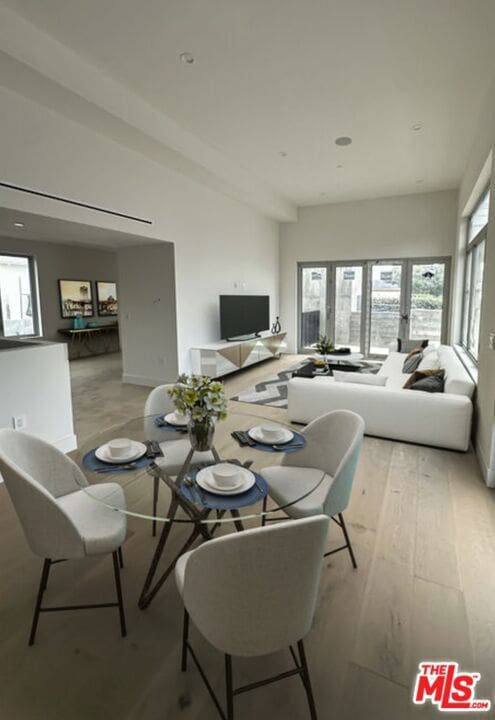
x: 139, y: 478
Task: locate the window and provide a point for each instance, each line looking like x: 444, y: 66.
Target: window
x: 18, y: 306
x: 473, y: 278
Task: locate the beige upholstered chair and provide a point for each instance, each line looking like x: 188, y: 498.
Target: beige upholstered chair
x: 254, y: 593
x: 60, y: 520
x: 333, y: 446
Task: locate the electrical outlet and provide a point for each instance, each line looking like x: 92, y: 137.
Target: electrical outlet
x: 491, y: 340
x: 19, y: 422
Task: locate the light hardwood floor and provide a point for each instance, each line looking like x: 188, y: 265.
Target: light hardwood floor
x: 423, y: 528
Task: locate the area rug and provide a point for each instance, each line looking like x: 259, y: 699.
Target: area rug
x: 273, y: 390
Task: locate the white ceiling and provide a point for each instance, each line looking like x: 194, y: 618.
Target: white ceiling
x: 291, y: 75
x: 47, y: 229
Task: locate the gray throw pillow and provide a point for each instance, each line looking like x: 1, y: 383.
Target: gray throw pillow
x: 411, y: 363
x: 432, y: 384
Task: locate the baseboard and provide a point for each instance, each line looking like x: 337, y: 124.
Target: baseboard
x: 67, y: 443
x: 488, y: 471
x: 140, y: 380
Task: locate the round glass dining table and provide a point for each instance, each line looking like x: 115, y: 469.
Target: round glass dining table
x: 163, y: 486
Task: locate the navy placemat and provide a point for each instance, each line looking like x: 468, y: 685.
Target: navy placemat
x: 198, y: 496
x: 164, y: 425
x: 297, y: 443
x: 91, y: 462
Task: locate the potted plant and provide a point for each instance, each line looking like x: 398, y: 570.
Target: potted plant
x: 324, y: 346
x: 204, y: 401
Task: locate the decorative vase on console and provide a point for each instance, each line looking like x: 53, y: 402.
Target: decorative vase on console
x: 276, y: 327
x: 204, y: 401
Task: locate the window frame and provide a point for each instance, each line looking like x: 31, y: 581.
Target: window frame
x: 35, y: 301
x: 470, y: 269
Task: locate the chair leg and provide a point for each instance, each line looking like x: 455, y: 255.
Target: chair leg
x: 185, y: 637
x: 118, y: 588
x: 43, y: 583
x: 121, y: 558
x: 348, y: 542
x: 156, y: 487
x: 229, y: 687
x: 307, y: 680
x: 263, y: 517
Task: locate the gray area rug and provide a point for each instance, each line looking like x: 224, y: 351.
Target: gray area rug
x: 273, y: 390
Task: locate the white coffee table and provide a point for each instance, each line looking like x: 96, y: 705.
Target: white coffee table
x: 351, y: 358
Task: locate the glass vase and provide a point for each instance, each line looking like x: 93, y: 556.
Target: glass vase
x: 201, y: 434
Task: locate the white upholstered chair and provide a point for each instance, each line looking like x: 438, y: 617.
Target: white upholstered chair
x: 60, y: 520
x: 333, y: 446
x: 254, y: 593
x: 175, y: 452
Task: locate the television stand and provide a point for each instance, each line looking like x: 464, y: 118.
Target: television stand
x: 228, y: 356
x: 243, y: 338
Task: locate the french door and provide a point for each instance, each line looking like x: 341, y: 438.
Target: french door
x: 367, y: 305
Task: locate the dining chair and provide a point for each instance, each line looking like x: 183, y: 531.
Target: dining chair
x: 61, y: 521
x: 175, y: 452
x: 254, y: 593
x: 324, y: 469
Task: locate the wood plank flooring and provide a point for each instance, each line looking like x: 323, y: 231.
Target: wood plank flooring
x: 423, y: 529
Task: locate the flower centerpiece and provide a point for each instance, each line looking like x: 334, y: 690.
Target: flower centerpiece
x: 203, y: 401
x: 324, y: 346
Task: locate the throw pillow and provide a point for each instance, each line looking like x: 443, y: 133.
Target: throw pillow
x: 412, y: 361
x: 407, y: 345
x: 359, y: 378
x: 418, y: 379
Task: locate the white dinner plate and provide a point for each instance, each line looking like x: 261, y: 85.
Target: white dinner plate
x: 205, y: 480
x: 172, y: 419
x: 285, y: 436
x: 136, y: 451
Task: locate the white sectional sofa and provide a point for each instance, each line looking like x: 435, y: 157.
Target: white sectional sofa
x: 437, y: 419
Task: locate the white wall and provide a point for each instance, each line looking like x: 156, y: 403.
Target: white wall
x: 57, y: 261
x: 148, y: 332
x: 483, y: 145
x: 419, y: 225
x: 219, y: 243
x: 46, y: 404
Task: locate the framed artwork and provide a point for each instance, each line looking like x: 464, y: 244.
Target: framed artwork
x: 106, y: 297
x: 75, y: 298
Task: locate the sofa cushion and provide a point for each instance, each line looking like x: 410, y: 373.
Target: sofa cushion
x: 430, y: 383
x: 414, y: 382
x: 408, y: 345
x: 429, y: 361
x: 359, y: 379
x: 457, y: 379
x: 412, y: 361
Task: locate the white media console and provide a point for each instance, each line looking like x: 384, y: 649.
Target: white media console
x: 225, y: 357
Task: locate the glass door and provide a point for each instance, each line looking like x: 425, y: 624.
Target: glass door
x: 348, y: 306
x: 367, y: 305
x: 426, y: 300
x: 314, y: 289
x: 387, y: 306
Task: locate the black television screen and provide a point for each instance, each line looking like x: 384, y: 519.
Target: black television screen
x: 243, y: 315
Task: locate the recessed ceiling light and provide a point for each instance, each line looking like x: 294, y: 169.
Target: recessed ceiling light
x: 343, y: 140
x: 282, y: 153
x: 417, y: 126
x: 18, y: 225
x: 187, y: 58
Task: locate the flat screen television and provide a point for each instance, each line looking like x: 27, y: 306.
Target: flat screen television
x: 243, y: 315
